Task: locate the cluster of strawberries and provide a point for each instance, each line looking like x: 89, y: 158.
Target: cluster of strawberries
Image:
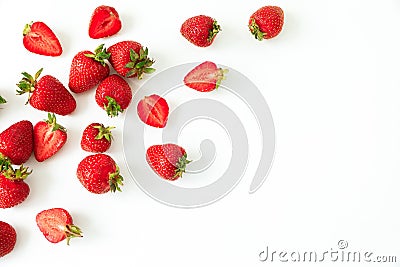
x: 98, y: 172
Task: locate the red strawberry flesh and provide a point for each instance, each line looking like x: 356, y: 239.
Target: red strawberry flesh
x: 40, y: 39
x: 105, y: 22
x: 204, y: 77
x: 153, y: 110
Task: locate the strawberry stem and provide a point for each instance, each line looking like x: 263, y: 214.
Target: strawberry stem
x: 27, y: 28
x: 5, y: 163
x: 255, y: 30
x: 52, y: 121
x: 115, y: 180
x: 2, y: 100
x: 104, y: 132
x: 112, y: 107
x: 181, y: 166
x: 28, y: 83
x: 140, y: 63
x: 213, y: 32
x: 72, y: 231
x: 100, y: 54
x: 19, y: 174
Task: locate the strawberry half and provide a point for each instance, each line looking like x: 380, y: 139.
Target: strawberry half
x: 40, y: 39
x: 104, y: 22
x: 153, y: 110
x: 129, y: 59
x: 8, y: 238
x: 200, y: 30
x: 205, y: 77
x: 56, y: 225
x: 266, y: 22
x: 96, y: 138
x: 113, y: 95
x: 99, y: 174
x: 48, y: 138
x: 13, y: 189
x: 16, y: 142
x: 47, y: 93
x: 88, y: 69
x: 168, y: 160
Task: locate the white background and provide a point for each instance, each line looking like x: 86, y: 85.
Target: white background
x: 331, y: 81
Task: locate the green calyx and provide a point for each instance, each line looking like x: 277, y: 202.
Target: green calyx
x: 72, y: 231
x: 104, y: 132
x: 100, y: 54
x: 115, y: 180
x: 28, y: 83
x: 52, y: 121
x: 5, y: 163
x: 181, y: 166
x: 221, y: 75
x: 112, y: 107
x: 213, y: 32
x: 19, y: 174
x: 140, y: 64
x: 255, y: 30
x: 27, y: 28
x: 2, y: 100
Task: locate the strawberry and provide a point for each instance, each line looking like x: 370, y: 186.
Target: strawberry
x: 99, y: 174
x: 200, y: 30
x: 16, y: 142
x: 40, y: 39
x: 153, y: 110
x: 48, y: 138
x: 205, y: 77
x: 168, y: 160
x: 129, y: 59
x: 56, y: 225
x: 96, y: 138
x: 47, y: 93
x: 266, y: 22
x: 8, y: 238
x: 104, y: 22
x: 113, y: 95
x: 88, y: 69
x: 13, y: 189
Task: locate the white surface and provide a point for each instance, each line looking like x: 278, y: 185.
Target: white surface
x: 331, y: 81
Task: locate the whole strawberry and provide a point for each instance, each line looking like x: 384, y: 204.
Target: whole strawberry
x: 99, y: 174
x: 200, y: 30
x: 266, y: 22
x: 13, y: 189
x: 16, y: 142
x: 40, y: 39
x: 56, y: 225
x: 113, y: 95
x: 205, y: 77
x: 96, y: 138
x: 46, y: 94
x: 48, y: 138
x: 129, y: 59
x: 168, y: 160
x: 8, y: 238
x: 153, y: 110
x: 104, y: 22
x: 88, y: 69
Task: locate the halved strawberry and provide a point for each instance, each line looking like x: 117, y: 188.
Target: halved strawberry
x: 56, y: 225
x: 40, y: 39
x: 153, y: 110
x: 205, y: 77
x: 104, y: 22
x: 49, y: 137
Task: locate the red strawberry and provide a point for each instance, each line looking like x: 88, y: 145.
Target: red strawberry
x: 113, y: 95
x: 8, y: 238
x: 99, y: 174
x: 47, y: 93
x: 205, y: 77
x: 168, y: 161
x: 48, y: 138
x: 13, y: 189
x: 104, y: 22
x: 200, y: 30
x: 56, y: 225
x: 16, y: 142
x: 153, y: 110
x: 266, y: 22
x: 88, y: 69
x: 130, y: 59
x: 96, y: 138
x: 40, y: 39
